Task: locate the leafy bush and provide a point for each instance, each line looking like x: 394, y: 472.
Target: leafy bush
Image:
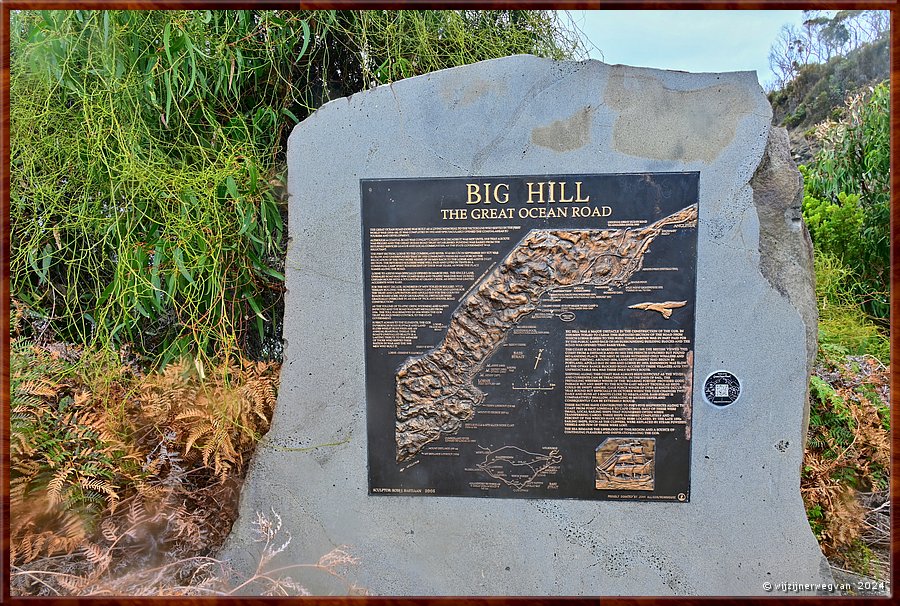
x: 835, y: 227
x: 847, y: 196
x: 845, y: 206
x: 147, y: 155
x: 797, y: 117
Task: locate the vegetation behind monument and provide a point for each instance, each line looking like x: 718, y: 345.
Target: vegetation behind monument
x: 148, y: 156
x: 846, y: 207
x: 835, y: 99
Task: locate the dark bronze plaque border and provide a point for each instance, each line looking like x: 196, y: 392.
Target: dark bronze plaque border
x: 665, y: 474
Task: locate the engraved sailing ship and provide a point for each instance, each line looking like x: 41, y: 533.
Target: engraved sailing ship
x: 625, y: 464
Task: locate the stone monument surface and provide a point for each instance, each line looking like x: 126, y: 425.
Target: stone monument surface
x: 733, y: 520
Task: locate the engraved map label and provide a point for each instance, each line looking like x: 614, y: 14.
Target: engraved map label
x: 519, y: 468
x: 518, y: 326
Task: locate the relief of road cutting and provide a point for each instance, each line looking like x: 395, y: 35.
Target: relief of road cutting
x: 435, y: 392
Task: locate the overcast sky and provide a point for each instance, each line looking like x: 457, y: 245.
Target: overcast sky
x: 689, y: 40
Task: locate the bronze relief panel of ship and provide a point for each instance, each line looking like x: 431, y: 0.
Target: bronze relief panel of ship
x: 625, y: 464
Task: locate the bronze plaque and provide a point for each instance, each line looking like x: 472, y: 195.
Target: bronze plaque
x: 530, y: 336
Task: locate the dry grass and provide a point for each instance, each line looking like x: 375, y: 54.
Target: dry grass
x: 846, y: 467
x: 121, y: 475
x: 124, y: 564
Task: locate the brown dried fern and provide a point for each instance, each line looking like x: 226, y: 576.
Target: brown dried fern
x: 160, y: 455
x: 848, y: 453
x: 218, y: 418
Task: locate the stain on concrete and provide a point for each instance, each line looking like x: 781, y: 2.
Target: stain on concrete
x: 623, y: 558
x: 665, y: 124
x: 569, y: 134
x: 470, y: 92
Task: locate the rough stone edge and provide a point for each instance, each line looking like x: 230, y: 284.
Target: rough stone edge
x: 785, y: 247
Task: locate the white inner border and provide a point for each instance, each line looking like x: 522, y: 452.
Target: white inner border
x: 719, y: 406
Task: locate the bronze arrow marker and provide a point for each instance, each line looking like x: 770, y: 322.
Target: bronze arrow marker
x: 664, y: 308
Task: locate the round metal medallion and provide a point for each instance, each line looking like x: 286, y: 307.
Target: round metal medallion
x: 721, y: 388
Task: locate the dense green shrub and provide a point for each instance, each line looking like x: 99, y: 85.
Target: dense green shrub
x: 147, y: 155
x: 847, y: 196
x: 835, y: 226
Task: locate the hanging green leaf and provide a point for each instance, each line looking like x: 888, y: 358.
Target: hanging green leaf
x: 179, y: 262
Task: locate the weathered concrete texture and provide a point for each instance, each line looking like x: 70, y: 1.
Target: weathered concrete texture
x: 785, y: 248
x: 745, y: 524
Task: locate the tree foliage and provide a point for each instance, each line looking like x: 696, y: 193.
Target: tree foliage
x: 147, y: 155
x: 823, y: 37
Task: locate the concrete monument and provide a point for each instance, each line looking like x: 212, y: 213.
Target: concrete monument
x: 548, y: 332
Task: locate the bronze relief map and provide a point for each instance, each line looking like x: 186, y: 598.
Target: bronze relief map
x: 530, y: 336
